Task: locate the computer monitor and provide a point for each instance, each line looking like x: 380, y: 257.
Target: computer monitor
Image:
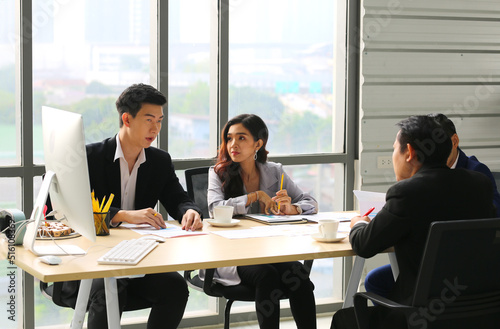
x: 66, y: 180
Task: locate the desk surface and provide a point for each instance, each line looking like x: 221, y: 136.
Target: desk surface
x: 181, y: 253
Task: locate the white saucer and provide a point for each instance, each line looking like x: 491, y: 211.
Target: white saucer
x: 340, y: 237
x: 233, y: 222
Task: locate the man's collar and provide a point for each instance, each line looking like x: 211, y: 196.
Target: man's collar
x: 119, y: 152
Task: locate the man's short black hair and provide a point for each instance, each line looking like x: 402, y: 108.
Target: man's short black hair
x: 448, y: 125
x: 132, y: 99
x: 427, y: 136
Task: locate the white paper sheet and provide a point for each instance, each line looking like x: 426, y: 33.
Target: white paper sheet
x: 341, y: 216
x: 171, y: 231
x: 368, y: 199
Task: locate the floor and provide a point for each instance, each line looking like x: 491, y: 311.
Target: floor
x: 324, y: 322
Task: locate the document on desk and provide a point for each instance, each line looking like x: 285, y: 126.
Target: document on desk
x: 277, y: 219
x: 267, y: 231
x: 171, y: 231
x: 341, y: 216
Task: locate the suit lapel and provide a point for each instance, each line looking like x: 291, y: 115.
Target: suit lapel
x: 266, y: 178
x: 112, y: 171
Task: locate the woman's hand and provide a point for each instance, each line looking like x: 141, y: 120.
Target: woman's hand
x: 285, y: 203
x: 269, y: 205
x: 142, y: 216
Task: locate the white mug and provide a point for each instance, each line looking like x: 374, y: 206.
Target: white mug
x: 328, y: 228
x: 223, y: 214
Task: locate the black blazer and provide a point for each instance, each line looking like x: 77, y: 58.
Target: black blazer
x: 433, y: 193
x: 156, y: 180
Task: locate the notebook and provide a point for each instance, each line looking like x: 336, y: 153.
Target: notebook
x: 277, y: 219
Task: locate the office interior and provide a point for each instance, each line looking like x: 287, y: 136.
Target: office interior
x: 330, y: 78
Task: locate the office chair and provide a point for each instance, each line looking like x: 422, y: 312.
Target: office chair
x: 53, y: 292
x: 197, y: 186
x: 458, y: 282
x: 238, y: 292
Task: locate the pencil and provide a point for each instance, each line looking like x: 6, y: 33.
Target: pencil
x: 281, y: 187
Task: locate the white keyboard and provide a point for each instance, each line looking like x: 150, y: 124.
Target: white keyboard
x: 128, y: 252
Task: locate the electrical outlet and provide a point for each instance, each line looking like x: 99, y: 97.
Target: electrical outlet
x: 384, y: 162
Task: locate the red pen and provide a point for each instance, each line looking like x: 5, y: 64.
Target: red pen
x: 369, y: 211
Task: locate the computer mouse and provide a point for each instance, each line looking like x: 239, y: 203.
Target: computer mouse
x: 51, y: 260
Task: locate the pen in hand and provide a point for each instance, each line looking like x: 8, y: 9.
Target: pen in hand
x: 369, y: 211
x: 281, y: 187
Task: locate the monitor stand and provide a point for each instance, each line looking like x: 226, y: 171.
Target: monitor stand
x: 37, y: 216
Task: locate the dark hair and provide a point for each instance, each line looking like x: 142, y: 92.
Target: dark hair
x: 447, y: 124
x: 132, y: 99
x: 229, y: 171
x: 427, y: 136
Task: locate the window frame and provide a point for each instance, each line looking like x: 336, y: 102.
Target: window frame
x: 27, y: 170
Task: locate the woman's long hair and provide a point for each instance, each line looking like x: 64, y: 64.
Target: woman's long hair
x: 229, y: 171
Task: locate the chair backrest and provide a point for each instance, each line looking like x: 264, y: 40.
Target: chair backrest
x: 460, y: 270
x: 197, y: 186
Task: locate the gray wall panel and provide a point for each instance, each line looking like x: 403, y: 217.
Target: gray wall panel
x: 428, y: 56
x: 460, y: 100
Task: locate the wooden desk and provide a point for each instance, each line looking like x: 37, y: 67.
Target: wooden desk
x: 184, y: 253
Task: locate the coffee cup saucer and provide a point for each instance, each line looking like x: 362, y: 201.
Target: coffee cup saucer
x: 233, y: 222
x: 319, y: 238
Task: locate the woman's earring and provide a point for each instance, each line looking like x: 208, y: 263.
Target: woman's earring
x: 255, y: 156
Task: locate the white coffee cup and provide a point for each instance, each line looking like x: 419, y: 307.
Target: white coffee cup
x: 223, y: 214
x: 328, y: 228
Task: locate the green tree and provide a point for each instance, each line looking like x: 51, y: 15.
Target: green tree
x: 304, y: 133
x: 251, y: 100
x: 195, y: 100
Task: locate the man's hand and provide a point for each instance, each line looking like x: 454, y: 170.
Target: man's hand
x: 191, y: 220
x: 356, y: 219
x: 142, y: 216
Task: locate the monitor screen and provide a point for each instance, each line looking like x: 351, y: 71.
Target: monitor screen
x: 66, y: 180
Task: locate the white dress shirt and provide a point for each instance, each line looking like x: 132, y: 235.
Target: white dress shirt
x: 128, y: 179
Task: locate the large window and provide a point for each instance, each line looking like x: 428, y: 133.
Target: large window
x: 10, y: 123
x: 189, y: 130
x: 85, y: 53
x: 284, y: 60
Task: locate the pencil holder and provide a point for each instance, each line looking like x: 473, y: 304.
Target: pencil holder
x: 101, y: 222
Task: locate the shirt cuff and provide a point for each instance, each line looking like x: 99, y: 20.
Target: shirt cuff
x: 361, y: 222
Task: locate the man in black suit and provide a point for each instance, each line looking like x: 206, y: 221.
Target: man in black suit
x: 426, y: 191
x: 139, y: 176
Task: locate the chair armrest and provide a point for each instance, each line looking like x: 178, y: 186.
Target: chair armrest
x: 208, y: 282
x: 361, y: 307
x: 205, y: 285
x: 193, y: 281
x: 46, y: 290
x: 384, y: 301
x: 53, y: 292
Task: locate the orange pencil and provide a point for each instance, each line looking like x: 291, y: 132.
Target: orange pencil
x: 281, y: 187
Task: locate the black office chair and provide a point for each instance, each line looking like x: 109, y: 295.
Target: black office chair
x: 458, y: 285
x: 197, y: 186
x: 52, y: 292
x: 239, y: 292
